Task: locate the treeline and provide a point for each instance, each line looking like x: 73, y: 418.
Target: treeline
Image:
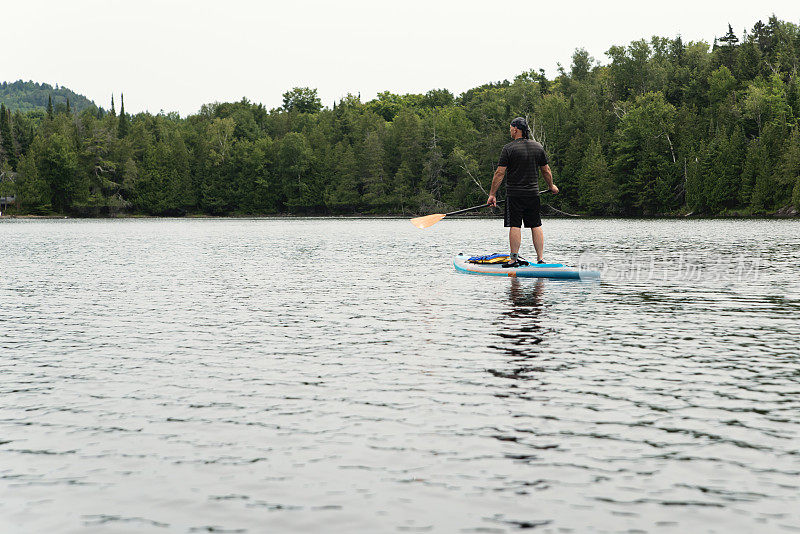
x: 666, y: 127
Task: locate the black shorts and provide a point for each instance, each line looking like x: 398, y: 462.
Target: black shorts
x: 523, y: 209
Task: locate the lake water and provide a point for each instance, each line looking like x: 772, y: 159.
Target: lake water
x: 332, y: 375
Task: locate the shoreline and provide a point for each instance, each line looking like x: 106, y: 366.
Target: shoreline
x: 691, y: 216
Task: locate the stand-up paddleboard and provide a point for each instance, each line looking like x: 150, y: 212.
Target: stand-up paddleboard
x: 534, y: 270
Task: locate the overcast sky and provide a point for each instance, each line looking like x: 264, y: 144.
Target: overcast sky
x: 175, y: 55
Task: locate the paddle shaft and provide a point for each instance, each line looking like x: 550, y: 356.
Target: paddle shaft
x: 472, y: 208
x: 483, y: 206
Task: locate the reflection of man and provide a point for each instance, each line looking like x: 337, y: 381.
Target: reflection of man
x: 523, y: 324
x: 524, y: 299
x: 519, y: 163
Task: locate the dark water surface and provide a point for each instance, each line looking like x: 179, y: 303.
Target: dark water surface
x: 340, y: 376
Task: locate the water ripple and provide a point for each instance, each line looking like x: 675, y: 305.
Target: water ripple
x: 338, y: 376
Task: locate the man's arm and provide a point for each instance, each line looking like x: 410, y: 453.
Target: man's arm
x: 547, y: 174
x: 499, y: 174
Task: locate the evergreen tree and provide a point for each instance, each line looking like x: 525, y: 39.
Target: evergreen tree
x: 23, y: 131
x: 263, y: 176
x: 756, y: 164
x: 763, y: 197
x: 749, y: 60
x: 294, y: 160
x: 33, y: 192
x: 401, y: 197
x: 597, y: 186
x: 343, y: 193
x: 374, y: 177
x: 57, y: 164
x: 216, y: 190
x: 49, y: 106
x: 122, y: 128
x: 644, y: 153
x: 796, y: 194
x: 762, y: 35
x: 788, y: 170
x: 730, y: 38
x: 721, y: 83
x: 581, y: 64
x: 7, y: 138
x: 726, y: 170
x: 793, y: 95
x: 697, y: 177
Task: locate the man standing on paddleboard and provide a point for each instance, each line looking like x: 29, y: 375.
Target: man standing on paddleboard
x: 520, y: 161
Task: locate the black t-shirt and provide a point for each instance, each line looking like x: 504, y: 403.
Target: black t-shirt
x: 522, y: 159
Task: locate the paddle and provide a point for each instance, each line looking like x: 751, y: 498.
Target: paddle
x: 429, y: 220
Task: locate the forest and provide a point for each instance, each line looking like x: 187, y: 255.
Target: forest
x: 27, y: 96
x: 662, y: 128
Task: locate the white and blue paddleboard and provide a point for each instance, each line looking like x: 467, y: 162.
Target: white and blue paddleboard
x: 534, y: 270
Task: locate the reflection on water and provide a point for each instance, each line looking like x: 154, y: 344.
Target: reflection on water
x: 520, y: 326
x: 526, y: 299
x: 290, y: 376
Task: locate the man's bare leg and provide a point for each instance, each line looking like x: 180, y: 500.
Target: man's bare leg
x: 514, y: 239
x: 538, y: 242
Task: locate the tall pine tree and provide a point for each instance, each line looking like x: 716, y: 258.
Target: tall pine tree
x: 122, y: 129
x: 6, y: 137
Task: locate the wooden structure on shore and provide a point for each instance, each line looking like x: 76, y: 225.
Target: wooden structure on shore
x: 8, y: 200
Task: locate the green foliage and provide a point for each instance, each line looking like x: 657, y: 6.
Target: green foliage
x: 29, y: 96
x: 294, y: 160
x: 644, y: 154
x: 721, y: 83
x: 123, y: 126
x: 302, y: 100
x: 665, y: 127
x: 343, y: 192
x: 727, y: 155
x: 581, y: 64
x: 788, y: 171
x: 438, y: 98
x: 57, y: 164
x: 796, y: 195
x: 8, y: 153
x: 374, y: 176
x: 756, y: 164
x: 598, y: 188
x: 33, y: 192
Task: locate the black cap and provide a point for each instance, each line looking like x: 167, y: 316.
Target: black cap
x: 520, y: 123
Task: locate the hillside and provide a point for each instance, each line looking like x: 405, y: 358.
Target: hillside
x: 27, y: 96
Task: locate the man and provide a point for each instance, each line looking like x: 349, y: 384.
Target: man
x: 520, y: 161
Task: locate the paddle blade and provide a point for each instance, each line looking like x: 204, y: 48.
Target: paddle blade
x: 427, y: 220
